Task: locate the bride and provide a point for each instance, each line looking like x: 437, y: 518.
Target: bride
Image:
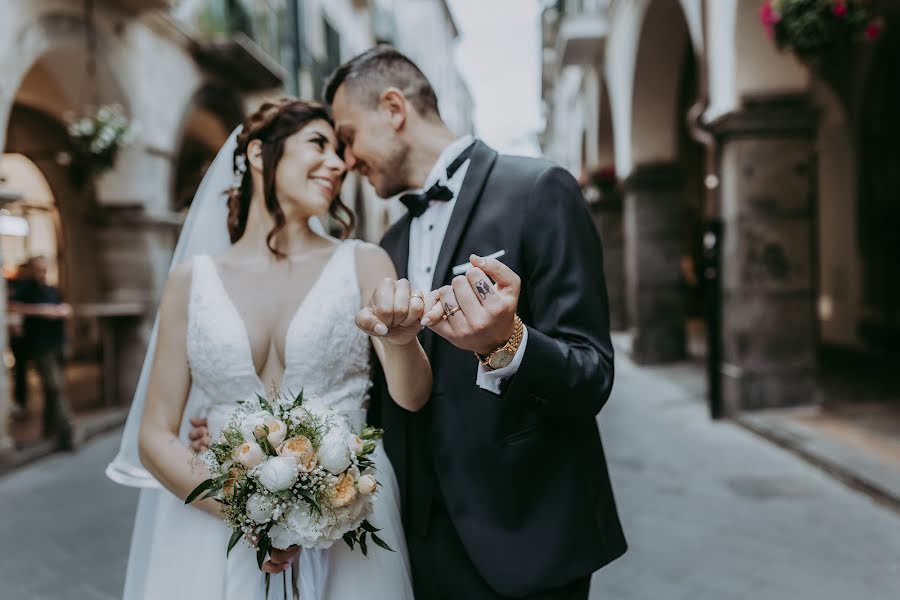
x: 260, y: 299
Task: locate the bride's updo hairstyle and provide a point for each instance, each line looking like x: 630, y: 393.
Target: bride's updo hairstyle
x: 272, y: 124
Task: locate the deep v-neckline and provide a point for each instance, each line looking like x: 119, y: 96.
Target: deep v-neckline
x: 239, y: 318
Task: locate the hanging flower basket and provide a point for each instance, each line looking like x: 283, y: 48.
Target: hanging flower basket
x: 815, y: 30
x: 98, y: 137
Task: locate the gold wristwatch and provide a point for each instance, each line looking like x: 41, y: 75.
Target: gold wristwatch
x: 503, y: 355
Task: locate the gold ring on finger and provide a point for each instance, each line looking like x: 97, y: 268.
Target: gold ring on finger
x: 452, y: 312
x: 417, y: 295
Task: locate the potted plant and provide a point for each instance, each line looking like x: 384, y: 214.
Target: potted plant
x: 817, y: 31
x: 97, y: 139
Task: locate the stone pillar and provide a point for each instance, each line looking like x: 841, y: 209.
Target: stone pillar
x: 654, y: 289
x: 134, y: 254
x: 607, y: 213
x: 768, y: 259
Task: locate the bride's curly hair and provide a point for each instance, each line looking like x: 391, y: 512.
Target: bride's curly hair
x: 272, y: 123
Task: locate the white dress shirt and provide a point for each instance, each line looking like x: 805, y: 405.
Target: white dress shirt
x: 426, y: 235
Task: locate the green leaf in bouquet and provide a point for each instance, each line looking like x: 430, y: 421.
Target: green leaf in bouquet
x: 350, y: 539
x: 267, y: 446
x: 362, y: 544
x: 264, y: 404
x: 369, y: 527
x: 262, y: 549
x: 380, y: 542
x: 371, y: 433
x: 298, y: 399
x: 235, y: 538
x: 310, y: 497
x: 205, y: 486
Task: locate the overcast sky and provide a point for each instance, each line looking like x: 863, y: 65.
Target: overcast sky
x: 498, y: 55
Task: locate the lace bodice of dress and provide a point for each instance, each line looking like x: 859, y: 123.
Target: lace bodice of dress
x: 326, y: 355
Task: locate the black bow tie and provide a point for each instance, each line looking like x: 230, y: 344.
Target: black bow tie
x: 417, y: 203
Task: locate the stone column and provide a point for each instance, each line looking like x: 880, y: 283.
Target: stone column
x: 607, y: 213
x: 134, y: 254
x: 768, y: 259
x: 654, y: 290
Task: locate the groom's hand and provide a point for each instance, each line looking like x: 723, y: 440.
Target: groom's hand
x: 394, y: 312
x: 473, y: 313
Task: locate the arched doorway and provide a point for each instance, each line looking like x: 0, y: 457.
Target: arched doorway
x: 211, y: 116
x: 879, y: 200
x: 663, y: 208
x: 57, y: 206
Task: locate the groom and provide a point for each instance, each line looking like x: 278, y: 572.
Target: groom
x: 505, y: 491
x: 504, y: 482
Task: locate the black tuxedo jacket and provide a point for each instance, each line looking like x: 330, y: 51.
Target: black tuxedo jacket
x: 521, y: 474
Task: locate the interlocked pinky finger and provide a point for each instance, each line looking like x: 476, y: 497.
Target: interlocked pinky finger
x: 416, y: 308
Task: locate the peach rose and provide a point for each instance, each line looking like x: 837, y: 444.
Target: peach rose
x: 302, y: 450
x: 344, y: 491
x: 234, y: 473
x: 249, y: 454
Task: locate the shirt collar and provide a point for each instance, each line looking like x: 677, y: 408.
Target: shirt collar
x: 438, y: 173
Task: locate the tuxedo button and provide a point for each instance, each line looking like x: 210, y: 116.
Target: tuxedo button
x: 431, y: 228
x: 428, y: 269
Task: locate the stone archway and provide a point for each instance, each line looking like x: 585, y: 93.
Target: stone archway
x: 47, y: 82
x: 665, y: 169
x: 210, y: 117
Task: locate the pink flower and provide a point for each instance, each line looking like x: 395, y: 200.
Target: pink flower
x: 873, y: 29
x: 769, y: 17
x: 840, y: 9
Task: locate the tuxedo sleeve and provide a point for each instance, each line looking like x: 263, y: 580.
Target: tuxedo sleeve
x: 567, y: 367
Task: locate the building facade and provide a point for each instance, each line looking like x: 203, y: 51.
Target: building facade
x: 187, y: 72
x: 751, y: 191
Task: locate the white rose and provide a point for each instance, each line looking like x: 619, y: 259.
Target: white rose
x: 252, y: 424
x: 356, y: 443
x: 366, y: 485
x: 278, y: 473
x: 249, y: 454
x: 334, y: 454
x: 298, y: 527
x: 277, y: 431
x: 260, y: 508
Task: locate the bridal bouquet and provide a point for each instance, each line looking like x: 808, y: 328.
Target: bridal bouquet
x: 292, y: 473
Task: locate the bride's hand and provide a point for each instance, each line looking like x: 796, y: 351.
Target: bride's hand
x: 394, y: 312
x: 280, y: 560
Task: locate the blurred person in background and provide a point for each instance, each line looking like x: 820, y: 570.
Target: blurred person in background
x: 44, y: 314
x: 16, y: 333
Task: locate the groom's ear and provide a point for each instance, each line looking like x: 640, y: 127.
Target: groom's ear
x: 254, y: 154
x: 394, y: 103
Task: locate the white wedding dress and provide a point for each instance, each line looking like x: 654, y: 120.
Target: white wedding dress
x: 178, y: 551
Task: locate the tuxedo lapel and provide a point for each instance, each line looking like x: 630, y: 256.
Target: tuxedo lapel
x: 398, y: 246
x: 482, y: 160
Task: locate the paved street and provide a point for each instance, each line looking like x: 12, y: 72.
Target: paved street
x: 711, y: 511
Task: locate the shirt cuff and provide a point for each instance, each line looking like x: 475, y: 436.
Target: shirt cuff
x: 492, y: 380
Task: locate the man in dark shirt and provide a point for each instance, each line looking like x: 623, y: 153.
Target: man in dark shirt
x: 17, y: 343
x: 44, y: 319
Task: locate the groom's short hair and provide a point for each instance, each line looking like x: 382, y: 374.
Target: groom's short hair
x: 369, y: 74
